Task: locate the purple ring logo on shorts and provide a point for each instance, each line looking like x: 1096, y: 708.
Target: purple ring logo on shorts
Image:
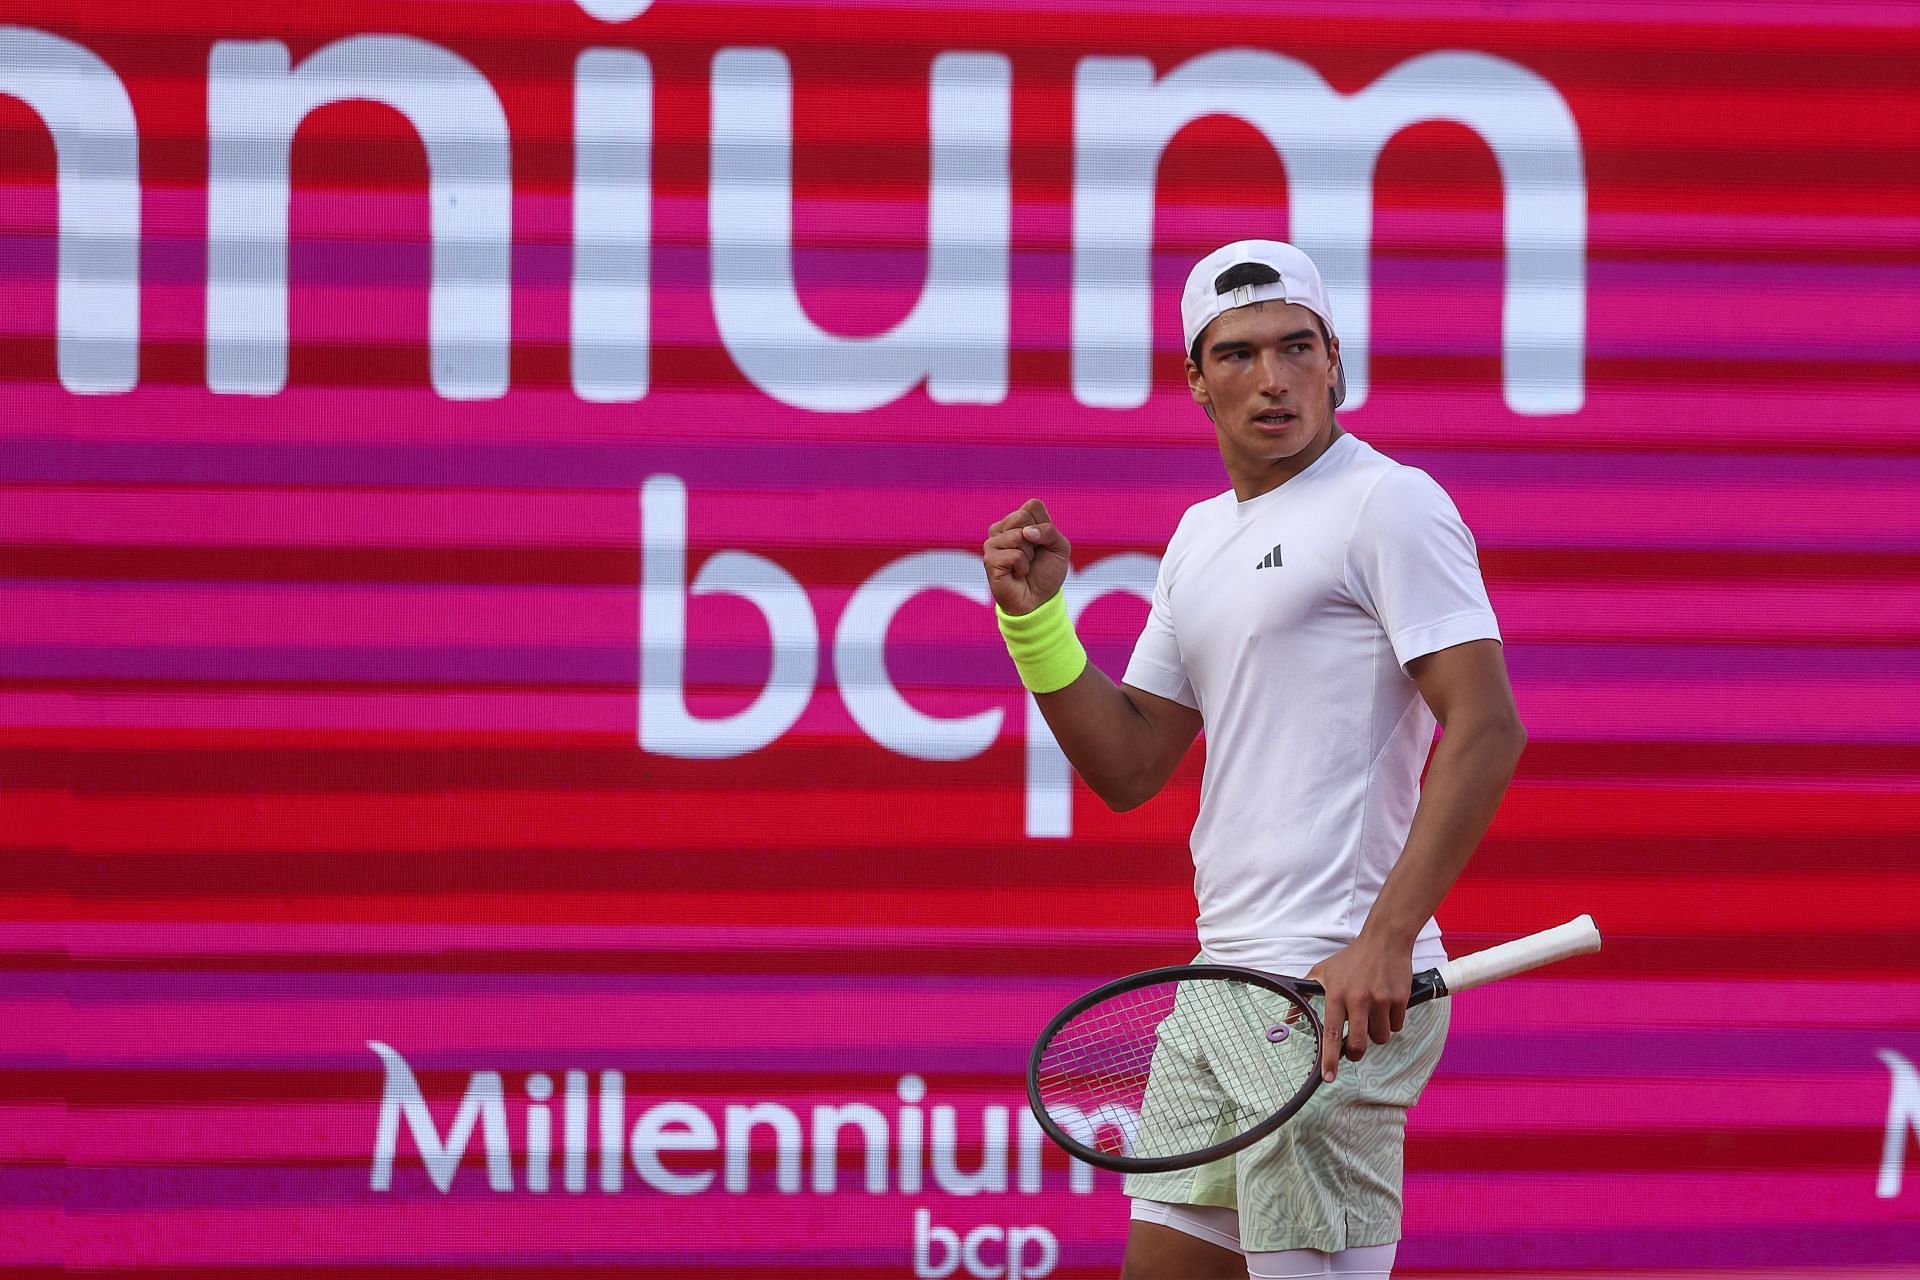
x: 1277, y: 1033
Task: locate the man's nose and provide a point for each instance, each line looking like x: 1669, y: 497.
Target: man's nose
x: 1273, y: 373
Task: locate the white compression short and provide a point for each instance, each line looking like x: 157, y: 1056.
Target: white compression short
x: 1222, y: 1227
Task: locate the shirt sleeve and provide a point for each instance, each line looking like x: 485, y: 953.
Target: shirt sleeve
x: 1156, y: 666
x: 1412, y: 564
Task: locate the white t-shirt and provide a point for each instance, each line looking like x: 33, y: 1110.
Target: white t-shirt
x: 1287, y: 622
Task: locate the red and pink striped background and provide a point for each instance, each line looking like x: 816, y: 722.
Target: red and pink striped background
x: 319, y: 708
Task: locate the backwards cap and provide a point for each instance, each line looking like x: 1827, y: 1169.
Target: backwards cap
x: 1201, y: 302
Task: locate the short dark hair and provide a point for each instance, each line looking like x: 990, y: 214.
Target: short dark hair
x: 1240, y: 275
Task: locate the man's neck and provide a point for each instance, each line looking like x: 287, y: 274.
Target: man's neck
x: 1270, y: 476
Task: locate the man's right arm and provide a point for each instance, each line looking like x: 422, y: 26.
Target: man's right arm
x: 1123, y: 741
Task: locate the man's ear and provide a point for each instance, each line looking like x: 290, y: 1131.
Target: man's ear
x: 1197, y: 387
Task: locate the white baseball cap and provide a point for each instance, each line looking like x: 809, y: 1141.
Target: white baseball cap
x: 1201, y: 302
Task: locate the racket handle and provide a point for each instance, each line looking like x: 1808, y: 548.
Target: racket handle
x: 1574, y: 938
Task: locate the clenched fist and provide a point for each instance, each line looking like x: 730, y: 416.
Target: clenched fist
x: 1026, y: 558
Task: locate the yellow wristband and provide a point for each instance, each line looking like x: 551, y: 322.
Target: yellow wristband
x: 1045, y: 650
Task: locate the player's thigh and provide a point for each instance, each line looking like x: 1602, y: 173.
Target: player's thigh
x: 1331, y: 1178
x: 1155, y: 1252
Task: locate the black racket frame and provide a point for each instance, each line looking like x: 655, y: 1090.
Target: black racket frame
x: 1427, y: 985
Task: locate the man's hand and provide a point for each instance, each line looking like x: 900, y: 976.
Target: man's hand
x: 1026, y: 558
x: 1368, y: 985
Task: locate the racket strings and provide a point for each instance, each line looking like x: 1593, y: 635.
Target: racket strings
x: 1173, y: 1068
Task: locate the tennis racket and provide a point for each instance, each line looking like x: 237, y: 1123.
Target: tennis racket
x: 1176, y: 1067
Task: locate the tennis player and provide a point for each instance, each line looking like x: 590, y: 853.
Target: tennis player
x: 1318, y: 618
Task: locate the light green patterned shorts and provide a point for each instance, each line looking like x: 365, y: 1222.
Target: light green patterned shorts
x: 1329, y: 1179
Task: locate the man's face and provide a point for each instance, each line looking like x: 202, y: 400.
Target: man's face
x: 1268, y: 376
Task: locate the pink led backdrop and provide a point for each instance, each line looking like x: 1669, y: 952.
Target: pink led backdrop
x: 492, y: 630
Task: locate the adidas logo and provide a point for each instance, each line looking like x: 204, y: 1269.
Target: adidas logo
x: 1272, y: 560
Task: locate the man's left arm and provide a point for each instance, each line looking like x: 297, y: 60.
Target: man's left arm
x: 1368, y: 983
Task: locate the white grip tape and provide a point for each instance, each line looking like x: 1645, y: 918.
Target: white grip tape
x: 1574, y: 938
